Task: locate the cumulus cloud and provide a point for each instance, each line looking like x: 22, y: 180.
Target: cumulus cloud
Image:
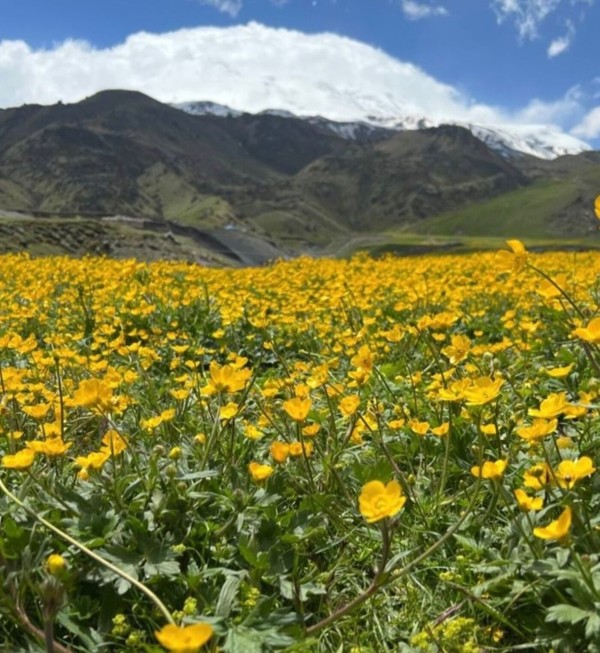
x: 252, y: 68
x: 528, y: 15
x: 589, y: 127
x: 417, y: 10
x: 562, y: 43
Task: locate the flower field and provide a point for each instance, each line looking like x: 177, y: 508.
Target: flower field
x: 342, y: 456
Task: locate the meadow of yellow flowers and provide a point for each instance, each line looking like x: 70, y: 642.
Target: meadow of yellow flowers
x: 318, y: 455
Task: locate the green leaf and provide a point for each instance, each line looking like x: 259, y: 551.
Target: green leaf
x: 567, y: 614
x: 592, y: 628
x: 227, y: 596
x: 243, y: 640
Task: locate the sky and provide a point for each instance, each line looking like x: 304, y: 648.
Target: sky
x: 488, y: 61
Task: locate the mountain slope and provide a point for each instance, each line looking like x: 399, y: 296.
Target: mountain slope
x: 273, y: 176
x: 408, y: 177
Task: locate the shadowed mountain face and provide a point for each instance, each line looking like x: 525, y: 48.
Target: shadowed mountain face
x: 123, y: 153
x: 410, y: 176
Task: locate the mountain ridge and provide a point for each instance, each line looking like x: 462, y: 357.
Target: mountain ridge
x: 269, y: 177
x: 543, y: 141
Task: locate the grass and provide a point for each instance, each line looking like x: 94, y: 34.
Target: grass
x: 525, y: 213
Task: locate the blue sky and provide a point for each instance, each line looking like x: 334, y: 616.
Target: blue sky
x: 535, y: 59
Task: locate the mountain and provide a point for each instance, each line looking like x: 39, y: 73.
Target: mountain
x: 543, y: 141
x: 252, y: 187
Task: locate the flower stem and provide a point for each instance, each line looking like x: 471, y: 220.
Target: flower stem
x: 57, y: 531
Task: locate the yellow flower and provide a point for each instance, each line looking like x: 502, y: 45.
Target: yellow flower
x: 93, y: 393
x: 184, y: 639
x: 552, y: 406
x: 455, y: 391
x: 311, y: 430
x: 252, y: 432
x: 458, y: 350
x: 259, y: 472
x: 229, y: 411
x: 52, y: 447
x: 482, y: 390
x: 396, y: 424
x: 538, y: 430
x: 39, y: 411
x: 94, y: 460
x: 55, y: 564
x: 560, y: 372
x: 296, y: 448
x: 488, y: 429
x: 537, y: 477
x: 113, y: 442
x: 597, y: 207
x: 378, y: 501
x: 590, y: 333
x: 363, y: 359
x: 20, y: 461
x: 280, y: 451
x: 441, y: 430
x: 297, y: 408
x: 226, y: 378
x: 556, y: 530
x: 349, y: 405
x: 527, y: 503
x: 571, y: 471
x: 516, y: 258
x: 420, y: 428
x: 490, y: 469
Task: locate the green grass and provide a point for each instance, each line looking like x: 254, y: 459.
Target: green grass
x: 524, y: 213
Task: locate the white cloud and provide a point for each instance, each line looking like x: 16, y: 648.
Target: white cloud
x: 565, y: 110
x: 231, y: 7
x: 589, y: 127
x: 253, y: 67
x: 562, y: 43
x: 528, y: 15
x: 417, y: 10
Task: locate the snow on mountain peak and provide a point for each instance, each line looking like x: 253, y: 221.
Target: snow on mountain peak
x: 542, y: 141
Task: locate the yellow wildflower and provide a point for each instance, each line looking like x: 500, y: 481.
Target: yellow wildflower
x: 20, y: 461
x: 490, y: 469
x: 184, y: 639
x: 552, y: 406
x: 556, y: 530
x: 538, y: 430
x: 349, y: 405
x: 378, y: 501
x: 569, y: 472
x: 515, y: 259
x: 538, y: 476
x: 259, y: 472
x: 296, y: 448
x: 229, y: 411
x: 52, y: 447
x: 297, y: 408
x: 280, y: 451
x: 589, y: 333
x: 482, y: 390
x: 527, y: 503
x: 93, y: 394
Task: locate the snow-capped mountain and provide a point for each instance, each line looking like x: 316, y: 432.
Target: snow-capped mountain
x: 543, y: 141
